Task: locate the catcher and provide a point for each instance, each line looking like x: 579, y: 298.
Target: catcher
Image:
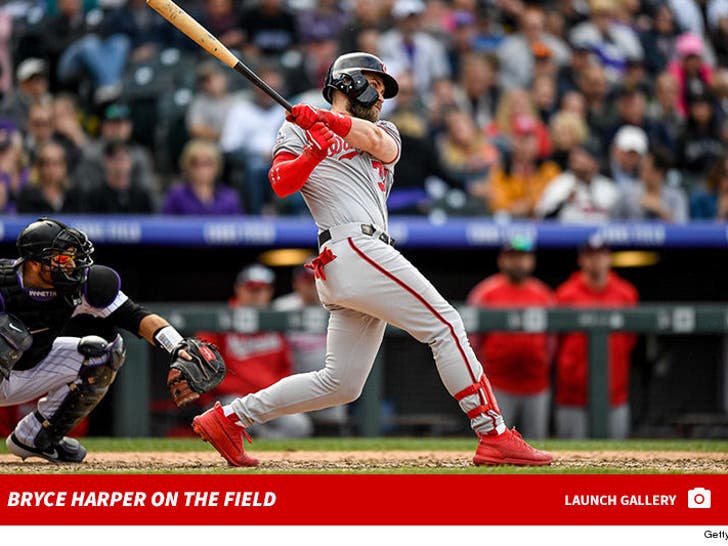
x: 59, y: 314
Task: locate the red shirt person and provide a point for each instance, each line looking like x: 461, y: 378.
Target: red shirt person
x: 256, y: 361
x: 517, y: 364
x: 594, y: 285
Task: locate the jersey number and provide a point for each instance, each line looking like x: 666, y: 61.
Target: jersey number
x: 377, y: 165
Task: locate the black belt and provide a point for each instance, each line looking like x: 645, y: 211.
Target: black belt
x: 366, y: 229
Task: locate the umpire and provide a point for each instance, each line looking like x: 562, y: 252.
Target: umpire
x: 43, y: 352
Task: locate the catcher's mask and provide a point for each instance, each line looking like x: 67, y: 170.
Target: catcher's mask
x: 66, y: 251
x: 346, y: 74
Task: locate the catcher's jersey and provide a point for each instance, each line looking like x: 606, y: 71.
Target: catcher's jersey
x: 349, y: 185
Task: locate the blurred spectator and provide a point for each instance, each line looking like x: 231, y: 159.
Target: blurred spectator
x: 709, y: 201
x: 581, y: 194
x: 200, y: 192
x: 518, y: 365
x: 248, y: 137
x: 409, y: 48
x: 658, y: 42
x: 610, y: 40
x: 663, y: 109
x: 575, y: 103
x: 409, y: 194
x: 77, y: 48
x: 32, y: 77
x: 364, y: 15
x: 319, y: 49
x: 222, y: 19
x: 324, y: 18
x: 568, y: 129
x: 689, y: 68
x: 594, y: 86
x: 14, y: 169
x: 651, y: 198
x: 309, y: 350
x: 255, y: 361
x: 513, y: 104
x: 478, y: 91
x: 462, y: 42
x: 719, y: 33
x: 47, y: 190
x: 148, y: 33
x: 518, y: 51
x: 6, y: 66
x: 67, y: 128
x: 628, y: 148
x: 270, y: 29
x: 516, y: 187
x: 702, y: 140
x: 465, y: 153
x: 567, y: 76
x: 116, y: 126
x: 119, y: 194
x: 211, y: 106
x: 594, y: 285
x: 720, y: 90
x: 544, y: 96
x: 40, y: 127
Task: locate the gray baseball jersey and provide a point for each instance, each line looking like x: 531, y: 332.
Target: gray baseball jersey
x: 349, y: 185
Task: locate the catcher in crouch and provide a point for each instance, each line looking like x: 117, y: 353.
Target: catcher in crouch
x: 50, y: 297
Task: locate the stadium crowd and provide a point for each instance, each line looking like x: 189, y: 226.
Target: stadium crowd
x: 580, y: 111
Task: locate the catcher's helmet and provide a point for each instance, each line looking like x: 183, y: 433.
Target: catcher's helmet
x: 345, y: 74
x: 46, y: 239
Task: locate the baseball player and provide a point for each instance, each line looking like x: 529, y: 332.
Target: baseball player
x: 342, y: 161
x: 50, y: 297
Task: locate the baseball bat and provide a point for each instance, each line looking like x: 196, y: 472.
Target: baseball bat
x: 187, y: 24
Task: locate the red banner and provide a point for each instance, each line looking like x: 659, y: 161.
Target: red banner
x: 364, y: 499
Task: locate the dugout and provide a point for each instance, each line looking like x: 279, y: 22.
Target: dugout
x: 678, y: 382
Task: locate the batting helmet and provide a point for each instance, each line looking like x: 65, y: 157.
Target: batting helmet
x: 46, y: 239
x: 346, y: 75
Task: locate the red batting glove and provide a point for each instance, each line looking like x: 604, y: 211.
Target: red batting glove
x: 320, y: 139
x: 303, y: 115
x: 338, y: 123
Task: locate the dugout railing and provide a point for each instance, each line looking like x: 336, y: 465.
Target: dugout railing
x: 132, y: 391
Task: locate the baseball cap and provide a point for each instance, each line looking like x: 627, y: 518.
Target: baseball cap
x: 404, y: 8
x: 631, y: 138
x: 519, y: 243
x: 524, y: 125
x: 255, y: 274
x: 594, y: 243
x: 30, y: 67
x: 689, y: 43
x: 117, y: 111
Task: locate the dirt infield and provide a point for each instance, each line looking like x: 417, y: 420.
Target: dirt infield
x: 372, y: 461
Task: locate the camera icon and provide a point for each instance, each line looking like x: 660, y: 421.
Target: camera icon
x: 699, y: 497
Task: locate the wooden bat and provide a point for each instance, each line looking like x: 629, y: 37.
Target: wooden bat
x: 200, y: 35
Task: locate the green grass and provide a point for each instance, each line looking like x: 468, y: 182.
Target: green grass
x: 390, y: 444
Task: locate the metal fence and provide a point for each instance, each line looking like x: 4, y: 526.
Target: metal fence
x: 132, y: 391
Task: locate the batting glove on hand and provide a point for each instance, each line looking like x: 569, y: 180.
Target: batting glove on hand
x: 320, y: 139
x: 338, y: 123
x: 303, y: 115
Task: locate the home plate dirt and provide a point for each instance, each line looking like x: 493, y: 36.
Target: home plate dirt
x: 367, y: 461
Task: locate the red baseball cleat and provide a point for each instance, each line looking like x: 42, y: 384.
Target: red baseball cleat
x: 224, y: 435
x: 509, y: 448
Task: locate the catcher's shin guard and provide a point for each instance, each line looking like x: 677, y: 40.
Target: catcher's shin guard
x: 102, y: 360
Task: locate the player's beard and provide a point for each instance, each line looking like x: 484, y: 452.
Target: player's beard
x: 369, y: 113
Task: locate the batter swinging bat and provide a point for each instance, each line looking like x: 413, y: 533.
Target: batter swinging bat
x: 199, y: 34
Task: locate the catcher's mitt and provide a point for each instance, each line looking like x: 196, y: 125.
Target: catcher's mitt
x: 187, y: 379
